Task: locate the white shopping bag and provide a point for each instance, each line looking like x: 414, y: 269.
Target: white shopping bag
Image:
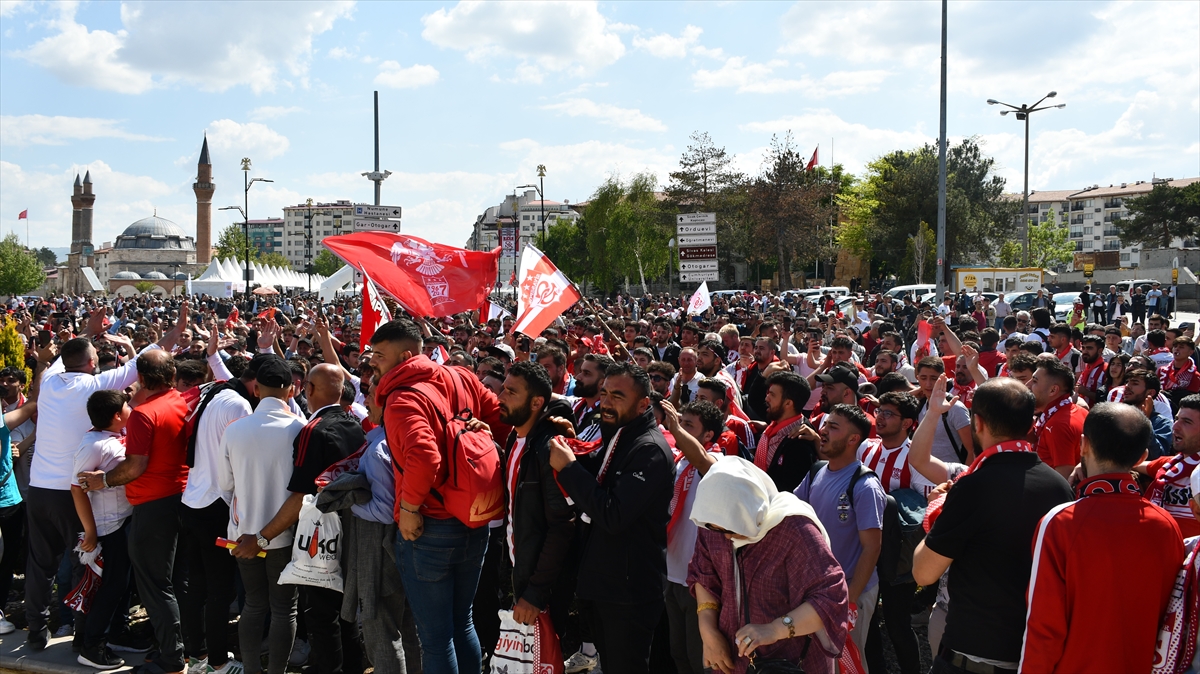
x: 527, y: 649
x: 316, y: 549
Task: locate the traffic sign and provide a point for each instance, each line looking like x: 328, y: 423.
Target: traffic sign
x: 696, y: 218
x: 369, y: 211
x: 698, y: 240
x: 698, y: 276
x: 364, y: 225
x: 704, y: 228
x: 698, y: 253
x: 698, y: 265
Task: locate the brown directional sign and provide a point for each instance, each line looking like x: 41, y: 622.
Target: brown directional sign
x: 698, y: 253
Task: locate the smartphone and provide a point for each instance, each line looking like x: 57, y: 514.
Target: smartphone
x: 44, y: 338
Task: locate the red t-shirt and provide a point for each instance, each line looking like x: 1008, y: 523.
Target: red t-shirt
x: 156, y: 430
x: 1059, y: 441
x: 991, y: 361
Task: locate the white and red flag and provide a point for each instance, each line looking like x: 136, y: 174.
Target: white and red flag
x: 812, y: 163
x: 700, y: 302
x: 427, y: 279
x: 374, y: 312
x: 492, y: 311
x: 545, y: 292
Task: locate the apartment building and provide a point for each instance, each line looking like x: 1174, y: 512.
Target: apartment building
x: 322, y: 219
x: 519, y: 218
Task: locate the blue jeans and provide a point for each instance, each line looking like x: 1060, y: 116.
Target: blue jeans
x: 440, y: 571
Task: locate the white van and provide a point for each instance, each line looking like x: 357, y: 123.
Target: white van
x: 915, y: 290
x: 1124, y: 287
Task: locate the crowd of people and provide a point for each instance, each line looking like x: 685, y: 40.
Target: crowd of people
x: 773, y: 481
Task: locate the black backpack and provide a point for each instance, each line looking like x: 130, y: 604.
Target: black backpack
x: 903, y: 515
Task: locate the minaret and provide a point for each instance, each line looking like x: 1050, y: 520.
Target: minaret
x: 204, y: 189
x: 76, y: 214
x: 85, y: 220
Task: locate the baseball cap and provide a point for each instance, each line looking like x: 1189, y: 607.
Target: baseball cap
x: 273, y: 372
x: 842, y: 373
x: 501, y: 351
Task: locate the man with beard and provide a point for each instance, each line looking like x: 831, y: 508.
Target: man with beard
x: 665, y: 349
x: 1091, y: 374
x: 585, y: 404
x: 1058, y: 430
x: 1172, y: 474
x: 1141, y: 390
x: 624, y: 491
x: 839, y: 386
x: 710, y: 362
x: 755, y: 384
x: 885, y: 362
x: 541, y: 523
x: 555, y: 361
x: 683, y: 388
x: 787, y: 448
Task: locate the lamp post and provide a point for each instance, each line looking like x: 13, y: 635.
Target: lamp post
x: 174, y: 279
x: 246, y: 229
x: 246, y: 211
x: 541, y: 190
x: 1023, y: 113
x: 308, y: 242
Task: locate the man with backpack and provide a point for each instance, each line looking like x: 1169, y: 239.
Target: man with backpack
x: 448, y: 488
x: 849, y: 501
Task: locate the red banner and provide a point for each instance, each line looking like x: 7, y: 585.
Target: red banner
x: 374, y: 312
x: 427, y: 279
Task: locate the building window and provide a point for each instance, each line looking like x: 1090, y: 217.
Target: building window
x: 1087, y: 230
x: 1087, y: 244
x: 1124, y: 257
x: 1087, y: 216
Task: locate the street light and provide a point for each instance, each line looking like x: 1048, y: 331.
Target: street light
x: 541, y: 190
x: 174, y: 279
x: 1023, y: 113
x: 308, y: 241
x: 246, y: 211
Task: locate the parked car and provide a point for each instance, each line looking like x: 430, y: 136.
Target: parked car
x: 1063, y: 303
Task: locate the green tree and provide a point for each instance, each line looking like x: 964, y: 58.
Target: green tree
x: 566, y: 244
x: 144, y: 286
x: 627, y: 232
x: 20, y: 270
x: 920, y: 252
x: 1049, y: 244
x: 1161, y: 216
x: 232, y: 244
x: 47, y: 257
x: 12, y: 349
x: 856, y: 208
x: 326, y: 263
x: 273, y: 259
x: 1010, y: 254
x: 706, y: 182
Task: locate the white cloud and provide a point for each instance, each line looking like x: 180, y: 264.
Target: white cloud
x: 273, y: 111
x: 58, y: 130
x: 210, y: 45
x: 624, y: 118
x: 340, y: 53
x: 848, y: 143
x: 571, y: 37
x: 878, y: 32
x: 666, y: 47
x: 11, y: 7
x: 231, y: 141
x: 392, y: 74
x: 761, y: 78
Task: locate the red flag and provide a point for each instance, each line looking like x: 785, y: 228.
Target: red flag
x: 812, y: 163
x: 374, y: 312
x: 268, y: 313
x: 512, y: 280
x: 24, y: 215
x: 232, y: 320
x: 427, y: 279
x: 545, y: 292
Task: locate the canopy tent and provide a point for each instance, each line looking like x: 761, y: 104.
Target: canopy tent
x: 335, y: 283
x: 223, y: 277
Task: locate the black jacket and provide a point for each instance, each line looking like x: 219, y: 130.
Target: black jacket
x: 543, y: 522
x: 625, y: 547
x: 791, y: 463
x: 754, y: 394
x: 670, y: 354
x: 330, y: 436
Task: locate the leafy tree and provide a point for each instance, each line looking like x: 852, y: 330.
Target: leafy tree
x: 274, y: 259
x: 1049, y: 244
x: 789, y: 207
x: 20, y: 270
x: 232, y: 244
x: 144, y: 286
x: 920, y: 253
x: 47, y: 257
x: 566, y: 244
x: 706, y: 182
x: 1010, y: 254
x: 326, y: 263
x: 627, y: 232
x: 853, y: 231
x: 12, y: 349
x: 1162, y: 215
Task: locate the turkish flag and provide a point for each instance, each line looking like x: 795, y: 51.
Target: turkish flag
x: 24, y: 215
x: 545, y: 292
x: 374, y: 312
x: 812, y: 163
x: 427, y: 279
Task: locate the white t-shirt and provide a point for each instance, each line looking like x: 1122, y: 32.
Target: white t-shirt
x: 681, y: 546
x: 203, y: 484
x: 103, y: 450
x: 257, y: 466
x: 514, y: 465
x: 958, y: 418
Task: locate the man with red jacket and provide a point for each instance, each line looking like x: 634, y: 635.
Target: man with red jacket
x: 417, y: 395
x: 1084, y: 550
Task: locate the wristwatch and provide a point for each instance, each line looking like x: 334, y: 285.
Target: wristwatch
x: 791, y: 625
x: 262, y: 541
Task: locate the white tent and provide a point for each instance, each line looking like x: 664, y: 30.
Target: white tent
x: 330, y: 286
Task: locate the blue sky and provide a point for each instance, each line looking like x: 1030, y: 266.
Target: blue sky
x: 474, y: 96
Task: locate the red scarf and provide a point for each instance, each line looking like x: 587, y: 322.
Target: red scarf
x: 1181, y: 621
x: 772, y: 437
x: 965, y: 393
x: 1109, y: 483
x: 1154, y: 352
x: 1063, y: 353
x: 1177, y: 471
x: 1044, y: 417
x: 1007, y: 446
x: 1173, y: 378
x: 683, y: 486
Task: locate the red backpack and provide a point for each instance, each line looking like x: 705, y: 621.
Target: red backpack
x: 473, y: 489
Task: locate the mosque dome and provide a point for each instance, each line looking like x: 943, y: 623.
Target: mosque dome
x: 155, y: 276
x: 155, y: 233
x: 127, y: 275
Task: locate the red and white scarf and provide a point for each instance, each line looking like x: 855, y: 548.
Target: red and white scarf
x: 1181, y: 621
x: 683, y: 486
x: 1109, y: 483
x: 608, y: 454
x: 772, y: 437
x: 1092, y: 374
x: 1173, y: 378
x: 890, y: 464
x: 965, y: 393
x: 1007, y: 446
x: 1174, y: 476
x: 1045, y: 417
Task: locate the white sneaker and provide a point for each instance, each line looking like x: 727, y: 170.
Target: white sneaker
x: 5, y: 626
x: 578, y: 662
x: 230, y: 667
x: 197, y: 666
x: 64, y: 631
x: 300, y: 651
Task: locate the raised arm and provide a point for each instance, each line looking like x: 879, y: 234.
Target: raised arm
x: 920, y: 450
x: 692, y: 450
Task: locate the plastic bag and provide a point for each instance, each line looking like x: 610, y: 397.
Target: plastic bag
x: 316, y: 549
x: 527, y: 649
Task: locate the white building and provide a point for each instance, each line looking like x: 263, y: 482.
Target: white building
x: 327, y: 219
x: 521, y: 214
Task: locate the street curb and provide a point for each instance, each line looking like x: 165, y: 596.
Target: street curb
x: 56, y: 659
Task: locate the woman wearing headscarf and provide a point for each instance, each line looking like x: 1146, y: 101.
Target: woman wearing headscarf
x: 764, y: 554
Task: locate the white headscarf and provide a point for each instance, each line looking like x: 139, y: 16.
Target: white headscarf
x: 737, y: 496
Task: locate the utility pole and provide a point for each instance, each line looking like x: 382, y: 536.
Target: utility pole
x: 941, y: 212
x: 377, y: 176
